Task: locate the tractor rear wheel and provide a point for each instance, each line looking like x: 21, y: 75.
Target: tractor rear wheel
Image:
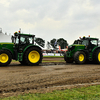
x: 5, y: 58
x: 80, y: 57
x: 33, y: 56
x: 96, y: 56
x: 67, y: 59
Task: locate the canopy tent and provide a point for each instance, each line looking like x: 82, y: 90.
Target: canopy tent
x: 4, y: 38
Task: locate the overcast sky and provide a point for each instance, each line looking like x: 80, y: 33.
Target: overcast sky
x: 48, y: 19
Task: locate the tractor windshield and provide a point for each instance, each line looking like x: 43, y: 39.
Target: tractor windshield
x: 87, y: 42
x: 23, y: 40
x: 90, y: 42
x: 77, y: 42
x: 26, y: 40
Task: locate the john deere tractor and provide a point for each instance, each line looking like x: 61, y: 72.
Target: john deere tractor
x: 21, y: 49
x: 83, y: 50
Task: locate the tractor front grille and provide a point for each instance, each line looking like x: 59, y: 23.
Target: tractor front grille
x: 70, y: 48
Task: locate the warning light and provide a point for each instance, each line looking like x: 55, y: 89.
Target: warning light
x: 89, y: 35
x: 15, y: 32
x: 19, y: 31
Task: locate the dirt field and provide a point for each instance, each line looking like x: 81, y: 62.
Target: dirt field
x: 16, y: 79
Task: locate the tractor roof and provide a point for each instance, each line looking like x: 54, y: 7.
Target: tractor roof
x: 90, y: 38
x: 21, y: 34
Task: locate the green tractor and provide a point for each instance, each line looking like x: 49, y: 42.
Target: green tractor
x: 21, y: 49
x: 83, y: 50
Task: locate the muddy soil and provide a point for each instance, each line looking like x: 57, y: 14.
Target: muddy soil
x: 53, y: 59
x: 16, y: 79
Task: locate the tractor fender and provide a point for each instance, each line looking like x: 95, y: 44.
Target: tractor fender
x: 83, y: 51
x: 9, y: 51
x: 30, y: 46
x: 95, y: 50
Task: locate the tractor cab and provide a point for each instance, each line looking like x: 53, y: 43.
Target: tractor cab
x: 22, y: 40
x: 88, y: 42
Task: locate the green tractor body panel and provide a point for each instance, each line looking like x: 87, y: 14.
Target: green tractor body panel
x: 86, y: 45
x: 73, y: 48
x: 7, y: 46
x: 32, y: 45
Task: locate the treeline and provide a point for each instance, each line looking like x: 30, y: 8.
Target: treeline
x: 54, y: 42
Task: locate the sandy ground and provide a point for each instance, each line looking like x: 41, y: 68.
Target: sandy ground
x: 16, y: 79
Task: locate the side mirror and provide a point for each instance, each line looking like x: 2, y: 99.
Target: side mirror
x: 18, y: 37
x: 12, y: 38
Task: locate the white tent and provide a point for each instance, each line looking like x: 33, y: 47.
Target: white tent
x: 4, y: 38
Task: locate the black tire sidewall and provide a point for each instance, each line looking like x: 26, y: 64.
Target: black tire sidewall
x: 9, y: 57
x: 65, y: 56
x: 76, y: 57
x: 68, y: 59
x: 27, y: 53
x: 95, y: 56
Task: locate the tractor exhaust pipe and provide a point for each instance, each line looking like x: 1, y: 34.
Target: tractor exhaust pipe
x: 0, y: 30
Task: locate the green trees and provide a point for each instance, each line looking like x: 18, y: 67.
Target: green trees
x: 40, y: 42
x: 60, y: 42
x: 53, y: 43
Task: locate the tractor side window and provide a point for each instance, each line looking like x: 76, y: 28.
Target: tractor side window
x: 99, y: 43
x: 85, y: 42
x: 94, y: 42
x: 26, y: 40
x: 17, y: 40
x: 22, y: 40
x: 30, y: 40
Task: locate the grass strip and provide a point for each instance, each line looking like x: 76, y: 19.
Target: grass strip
x: 84, y: 93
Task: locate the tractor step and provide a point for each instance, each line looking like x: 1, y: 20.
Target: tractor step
x: 20, y: 55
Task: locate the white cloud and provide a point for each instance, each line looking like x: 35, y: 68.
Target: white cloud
x: 52, y: 18
x: 5, y: 3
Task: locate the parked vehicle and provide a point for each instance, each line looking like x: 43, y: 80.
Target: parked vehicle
x: 83, y: 50
x: 21, y: 49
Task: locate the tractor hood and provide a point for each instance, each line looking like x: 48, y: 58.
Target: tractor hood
x: 6, y: 45
x: 76, y: 46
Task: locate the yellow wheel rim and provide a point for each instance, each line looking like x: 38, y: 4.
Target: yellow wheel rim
x: 34, y: 56
x: 81, y: 57
x: 99, y: 56
x: 4, y: 58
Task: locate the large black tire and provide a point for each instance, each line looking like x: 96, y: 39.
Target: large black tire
x: 67, y: 59
x: 80, y: 57
x: 96, y: 56
x: 33, y: 56
x: 22, y: 62
x: 5, y: 57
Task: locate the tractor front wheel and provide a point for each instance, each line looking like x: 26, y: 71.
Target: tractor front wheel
x: 5, y: 58
x: 96, y: 56
x: 67, y: 59
x: 80, y: 57
x: 33, y: 56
